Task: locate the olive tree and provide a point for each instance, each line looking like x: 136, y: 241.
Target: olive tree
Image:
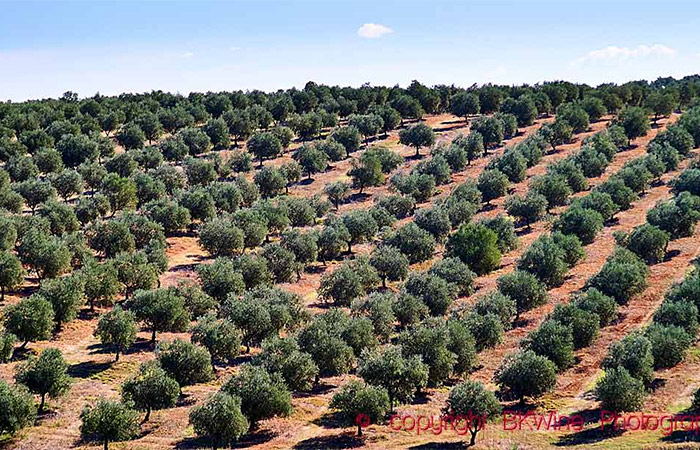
x: 526, y: 374
x: 357, y: 398
x: 117, y: 327
x: 108, y: 421
x: 472, y: 402
x: 263, y: 395
x: 45, y: 375
x: 150, y: 389
x: 220, y: 419
x: 417, y: 136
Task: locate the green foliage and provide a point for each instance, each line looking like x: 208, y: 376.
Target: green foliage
x: 679, y: 313
x: 553, y: 187
x: 17, y: 410
x: 619, y: 391
x: 503, y: 226
x: 493, y: 184
x: 634, y: 354
x: 409, y: 309
x: 526, y: 374
x: 31, y: 319
x: 356, y: 398
x: 117, y: 327
x: 390, y: 263
x: 524, y: 288
x: 622, y: 276
x: 581, y: 222
x: 497, y: 304
x: 11, y: 272
x: 648, y: 242
x: 635, y: 122
x: 528, y: 209
x: 185, y: 362
x: 401, y: 376
x: 456, y: 273
x: 430, y: 340
x: 220, y: 419
x: 669, y: 344
x: 263, y: 395
x: 323, y: 340
x: 220, y: 237
x: 594, y: 301
x: 196, y: 141
x: 471, y: 397
x: 45, y: 375
x: 219, y: 336
x: 366, y: 172
x: 417, y: 136
x: 432, y: 290
x: 282, y: 356
x: 160, y: 310
x: 66, y: 296
x: 150, y: 389
x: 263, y: 312
x: 477, y: 246
x: 434, y: 220
x: 108, y: 421
x: 584, y: 324
x: 264, y: 145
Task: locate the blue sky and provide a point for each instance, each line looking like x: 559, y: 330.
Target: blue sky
x: 47, y: 48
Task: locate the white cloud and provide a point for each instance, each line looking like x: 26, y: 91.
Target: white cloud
x: 619, y: 54
x: 234, y: 49
x: 187, y: 55
x: 373, y: 30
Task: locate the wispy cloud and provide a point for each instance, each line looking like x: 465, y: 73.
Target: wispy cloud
x: 373, y: 31
x: 187, y: 55
x: 234, y: 49
x: 619, y: 54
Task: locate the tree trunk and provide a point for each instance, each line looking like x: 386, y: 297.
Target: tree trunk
x: 472, y: 441
x: 148, y: 415
x: 384, y: 282
x: 106, y: 446
x: 2, y: 296
x: 153, y: 336
x: 359, y: 430
x: 43, y: 401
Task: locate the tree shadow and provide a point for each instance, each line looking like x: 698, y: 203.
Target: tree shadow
x: 319, y: 389
x: 185, y: 400
x: 183, y: 268
x: 587, y: 437
x: 357, y: 197
x: 449, y: 127
x: 20, y: 354
x: 414, y: 157
x: 421, y: 398
x: 656, y: 383
x: 255, y: 438
x: 523, y: 231
x: 439, y: 446
x: 340, y: 441
x: 488, y: 207
x: 671, y: 254
x: 331, y: 420
x: 612, y: 221
x: 88, y: 369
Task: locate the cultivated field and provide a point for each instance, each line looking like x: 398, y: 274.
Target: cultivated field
x: 346, y: 267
